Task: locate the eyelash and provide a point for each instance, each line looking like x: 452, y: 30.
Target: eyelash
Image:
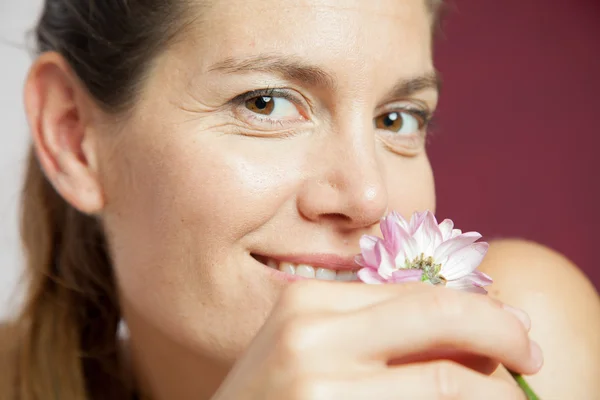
x: 240, y: 100
x: 423, y: 115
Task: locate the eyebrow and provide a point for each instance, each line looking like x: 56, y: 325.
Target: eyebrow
x: 410, y: 86
x: 293, y: 69
x: 288, y: 67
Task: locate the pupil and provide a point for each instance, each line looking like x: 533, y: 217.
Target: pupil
x: 263, y: 102
x: 390, y: 119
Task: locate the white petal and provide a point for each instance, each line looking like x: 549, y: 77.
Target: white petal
x: 464, y: 261
x: 455, y: 233
x: 386, y: 266
x: 428, y: 235
x: 446, y: 228
x: 400, y: 259
x: 411, y: 249
x: 450, y: 246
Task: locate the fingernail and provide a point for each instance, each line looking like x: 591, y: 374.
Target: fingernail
x: 520, y: 314
x: 536, y: 355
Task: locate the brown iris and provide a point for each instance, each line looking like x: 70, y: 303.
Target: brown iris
x: 261, y: 105
x: 390, y: 121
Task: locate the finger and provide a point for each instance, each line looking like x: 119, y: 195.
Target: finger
x: 428, y: 381
x: 483, y: 365
x: 435, y: 380
x: 319, y: 296
x: 443, y: 319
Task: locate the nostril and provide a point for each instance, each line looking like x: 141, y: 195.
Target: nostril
x: 337, y: 216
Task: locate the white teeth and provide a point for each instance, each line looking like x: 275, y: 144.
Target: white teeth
x: 305, y: 271
x: 326, y: 274
x: 308, y: 271
x: 287, y: 268
x: 345, y: 276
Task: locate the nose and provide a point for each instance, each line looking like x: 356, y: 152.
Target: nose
x: 346, y: 185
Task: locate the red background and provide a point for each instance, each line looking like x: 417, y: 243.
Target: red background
x: 517, y: 142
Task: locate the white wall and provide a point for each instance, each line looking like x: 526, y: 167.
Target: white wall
x: 16, y: 17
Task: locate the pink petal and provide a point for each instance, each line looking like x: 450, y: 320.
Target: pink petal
x: 465, y: 285
x: 416, y: 220
x: 387, y: 225
x: 446, y: 228
x: 480, y: 279
x: 367, y: 246
x: 406, y: 275
x: 470, y: 289
x: 464, y: 261
x: 360, y: 261
x: 368, y: 275
x: 394, y: 235
x: 399, y: 219
x: 450, y: 246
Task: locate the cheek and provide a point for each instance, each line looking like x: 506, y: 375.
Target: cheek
x: 178, y: 213
x: 410, y: 184
x: 179, y: 208
x: 206, y: 191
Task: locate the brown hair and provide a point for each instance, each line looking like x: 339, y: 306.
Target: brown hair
x: 67, y: 331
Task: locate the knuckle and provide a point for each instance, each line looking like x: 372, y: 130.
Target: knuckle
x: 515, y: 334
x: 294, y: 295
x: 522, y: 342
x: 486, y: 300
x: 446, y: 382
x: 299, y: 334
x: 447, y: 303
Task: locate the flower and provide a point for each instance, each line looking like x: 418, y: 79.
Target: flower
x: 423, y: 250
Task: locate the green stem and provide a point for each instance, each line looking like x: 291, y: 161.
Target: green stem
x: 524, y: 386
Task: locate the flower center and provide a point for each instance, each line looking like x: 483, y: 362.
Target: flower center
x: 431, y: 270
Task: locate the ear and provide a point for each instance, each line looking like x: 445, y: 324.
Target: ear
x: 59, y: 111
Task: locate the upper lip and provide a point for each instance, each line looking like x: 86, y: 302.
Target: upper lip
x: 323, y: 260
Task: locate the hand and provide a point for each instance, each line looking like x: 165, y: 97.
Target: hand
x: 355, y: 341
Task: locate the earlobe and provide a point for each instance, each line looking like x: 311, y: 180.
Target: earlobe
x: 58, y: 110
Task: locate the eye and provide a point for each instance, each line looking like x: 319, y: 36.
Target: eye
x: 404, y: 123
x: 276, y: 108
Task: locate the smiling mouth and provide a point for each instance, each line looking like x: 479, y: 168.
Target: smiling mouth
x: 309, y: 270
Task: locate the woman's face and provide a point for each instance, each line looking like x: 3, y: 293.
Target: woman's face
x: 273, y: 131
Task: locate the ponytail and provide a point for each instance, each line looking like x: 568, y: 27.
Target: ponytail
x: 67, y: 330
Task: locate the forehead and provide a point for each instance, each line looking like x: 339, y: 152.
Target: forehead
x: 342, y: 35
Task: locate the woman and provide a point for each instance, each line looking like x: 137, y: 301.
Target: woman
x: 189, y: 156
